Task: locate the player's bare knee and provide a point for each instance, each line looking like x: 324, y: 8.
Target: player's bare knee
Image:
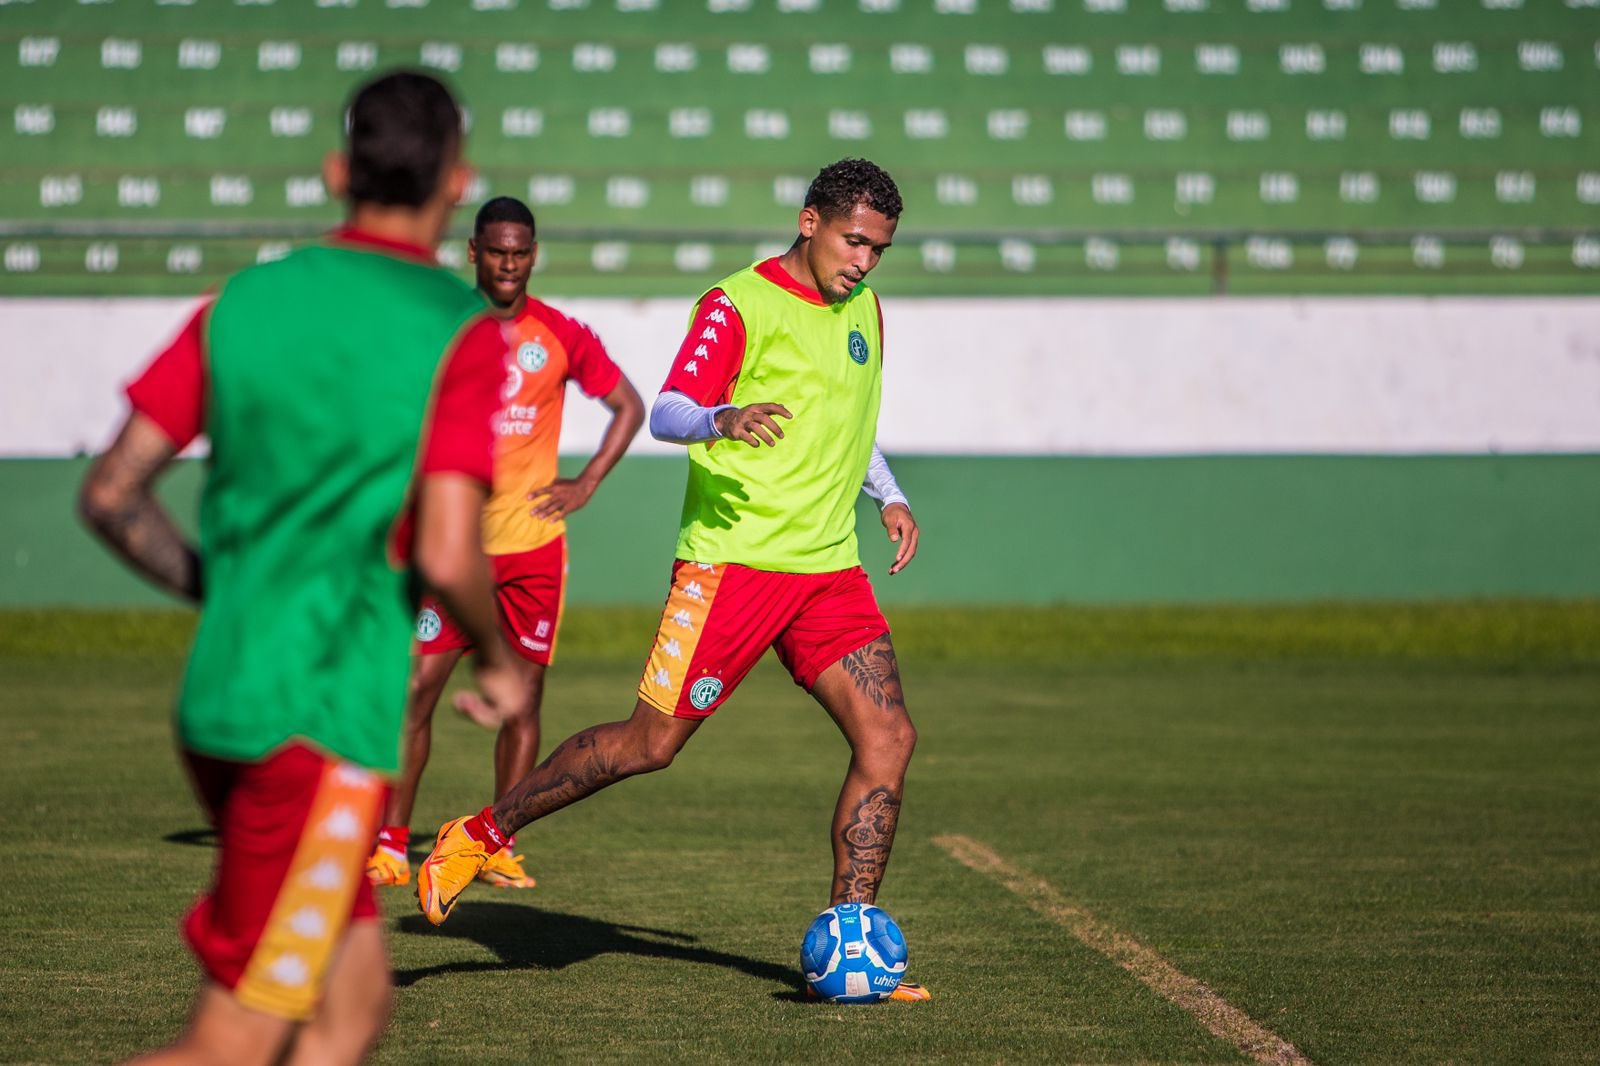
x: 422, y: 695
x: 523, y: 722
x: 657, y: 753
x: 890, y: 745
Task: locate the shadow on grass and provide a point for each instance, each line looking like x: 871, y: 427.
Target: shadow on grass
x: 525, y: 938
x: 205, y: 837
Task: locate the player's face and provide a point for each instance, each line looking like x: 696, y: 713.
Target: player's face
x: 503, y: 254
x: 840, y: 251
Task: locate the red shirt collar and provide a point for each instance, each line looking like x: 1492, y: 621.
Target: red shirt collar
x: 352, y: 235
x: 769, y: 269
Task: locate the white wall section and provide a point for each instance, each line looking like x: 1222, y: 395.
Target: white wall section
x: 1023, y: 376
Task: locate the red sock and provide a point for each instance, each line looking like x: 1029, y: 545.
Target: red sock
x: 481, y: 827
x: 397, y: 838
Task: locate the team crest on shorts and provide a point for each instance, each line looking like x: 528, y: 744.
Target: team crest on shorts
x: 532, y: 357
x: 428, y: 624
x: 858, y: 348
x: 704, y: 693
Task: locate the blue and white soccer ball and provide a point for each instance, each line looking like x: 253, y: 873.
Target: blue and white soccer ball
x: 853, y: 953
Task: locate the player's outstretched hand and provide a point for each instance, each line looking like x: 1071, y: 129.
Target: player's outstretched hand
x: 753, y: 424
x: 561, y: 497
x: 902, y: 531
x: 503, y: 693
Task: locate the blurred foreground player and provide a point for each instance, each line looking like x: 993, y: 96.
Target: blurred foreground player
x: 347, y: 392
x: 524, y: 523
x: 767, y: 553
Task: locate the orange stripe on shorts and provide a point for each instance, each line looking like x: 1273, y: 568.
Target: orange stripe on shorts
x: 694, y: 586
x: 285, y: 974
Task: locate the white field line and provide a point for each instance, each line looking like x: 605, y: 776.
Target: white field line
x: 1220, y: 1017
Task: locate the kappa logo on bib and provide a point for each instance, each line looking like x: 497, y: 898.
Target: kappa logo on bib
x: 704, y: 693
x: 858, y: 348
x: 532, y: 357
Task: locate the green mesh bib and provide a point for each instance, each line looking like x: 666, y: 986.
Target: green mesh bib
x: 791, y: 508
x: 320, y: 371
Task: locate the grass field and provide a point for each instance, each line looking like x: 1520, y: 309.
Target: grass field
x: 1375, y: 830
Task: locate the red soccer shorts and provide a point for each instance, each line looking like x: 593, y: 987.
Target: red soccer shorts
x: 531, y: 588
x: 720, y: 618
x: 293, y: 833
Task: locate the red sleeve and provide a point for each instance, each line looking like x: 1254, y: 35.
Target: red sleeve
x: 466, y: 402
x: 588, y: 363
x: 711, y: 356
x: 171, y: 390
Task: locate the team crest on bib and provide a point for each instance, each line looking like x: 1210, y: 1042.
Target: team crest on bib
x: 532, y: 357
x: 704, y: 693
x: 428, y: 624
x: 858, y: 348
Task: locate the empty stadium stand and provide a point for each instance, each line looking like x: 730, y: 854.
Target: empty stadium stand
x: 1043, y: 146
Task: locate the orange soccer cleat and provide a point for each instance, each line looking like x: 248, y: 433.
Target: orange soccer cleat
x: 504, y: 870
x: 450, y: 867
x: 388, y: 867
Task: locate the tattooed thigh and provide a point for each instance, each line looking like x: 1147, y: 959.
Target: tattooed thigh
x: 875, y: 672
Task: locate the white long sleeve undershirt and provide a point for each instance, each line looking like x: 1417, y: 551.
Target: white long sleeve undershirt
x: 676, y: 419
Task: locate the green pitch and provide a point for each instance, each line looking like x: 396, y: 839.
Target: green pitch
x: 1373, y: 830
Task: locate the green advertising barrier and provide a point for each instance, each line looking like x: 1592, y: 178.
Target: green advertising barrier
x: 1037, y: 530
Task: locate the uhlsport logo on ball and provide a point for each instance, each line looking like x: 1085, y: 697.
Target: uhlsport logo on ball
x: 853, y: 953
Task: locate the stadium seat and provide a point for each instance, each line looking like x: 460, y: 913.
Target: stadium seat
x: 1043, y: 146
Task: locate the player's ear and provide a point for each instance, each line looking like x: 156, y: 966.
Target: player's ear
x: 457, y: 180
x: 336, y: 174
x: 533, y: 256
x: 808, y: 222
x: 472, y: 250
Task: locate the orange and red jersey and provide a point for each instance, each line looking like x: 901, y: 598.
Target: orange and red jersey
x: 546, y: 350
x: 171, y: 390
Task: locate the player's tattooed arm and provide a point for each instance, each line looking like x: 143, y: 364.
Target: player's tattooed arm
x: 867, y: 836
x: 117, y: 502
x: 876, y: 673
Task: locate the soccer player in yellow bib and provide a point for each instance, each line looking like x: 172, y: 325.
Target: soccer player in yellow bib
x: 775, y: 391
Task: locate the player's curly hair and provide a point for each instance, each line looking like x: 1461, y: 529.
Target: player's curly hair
x: 503, y: 209
x: 839, y: 187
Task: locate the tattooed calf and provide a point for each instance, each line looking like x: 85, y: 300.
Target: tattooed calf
x: 867, y: 840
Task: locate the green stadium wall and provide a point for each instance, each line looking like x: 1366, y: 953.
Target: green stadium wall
x: 1037, y: 530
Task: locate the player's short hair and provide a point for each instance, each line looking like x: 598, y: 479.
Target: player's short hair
x: 839, y: 187
x: 401, y: 128
x: 503, y: 209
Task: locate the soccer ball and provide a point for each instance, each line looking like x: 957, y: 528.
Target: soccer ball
x: 853, y: 953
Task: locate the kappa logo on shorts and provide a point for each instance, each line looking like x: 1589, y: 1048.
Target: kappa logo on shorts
x: 428, y: 624
x: 858, y: 348
x: 704, y: 693
x: 532, y: 357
